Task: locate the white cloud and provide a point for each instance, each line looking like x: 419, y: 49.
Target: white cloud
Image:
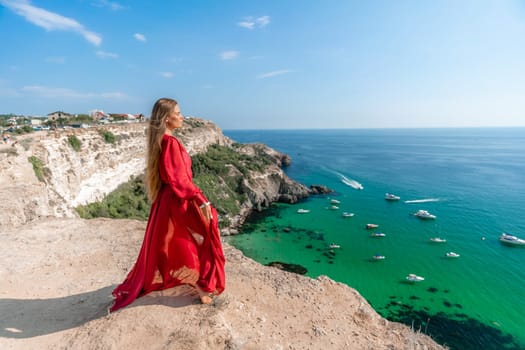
x: 139, y: 37
x: 229, y: 55
x: 104, y: 54
x: 115, y: 6
x: 246, y: 24
x: 50, y: 21
x: 263, y: 21
x: 273, y: 74
x: 250, y: 22
x: 167, y: 75
x: 57, y: 60
x: 54, y: 92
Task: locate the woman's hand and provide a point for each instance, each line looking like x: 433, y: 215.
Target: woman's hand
x: 206, y: 212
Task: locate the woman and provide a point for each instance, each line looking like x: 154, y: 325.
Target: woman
x: 181, y: 244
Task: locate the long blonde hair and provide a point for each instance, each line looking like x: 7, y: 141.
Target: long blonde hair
x: 157, y: 127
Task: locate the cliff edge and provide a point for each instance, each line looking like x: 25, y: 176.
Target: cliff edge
x: 56, y: 277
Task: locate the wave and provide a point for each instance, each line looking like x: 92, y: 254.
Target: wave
x: 350, y: 182
x: 424, y: 200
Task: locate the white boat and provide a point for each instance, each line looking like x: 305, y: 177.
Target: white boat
x: 334, y: 207
x: 391, y: 197
x: 334, y: 201
x: 452, y: 255
x: 334, y: 246
x: 511, y: 240
x: 303, y: 211
x: 371, y: 226
x: 414, y: 278
x: 347, y: 214
x: 378, y: 257
x: 378, y: 234
x: 423, y: 214
x: 437, y: 240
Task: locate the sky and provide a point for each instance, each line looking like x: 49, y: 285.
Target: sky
x: 270, y: 64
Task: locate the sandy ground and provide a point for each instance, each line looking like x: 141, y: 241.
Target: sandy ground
x: 56, y: 278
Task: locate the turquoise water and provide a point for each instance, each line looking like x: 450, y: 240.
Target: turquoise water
x: 473, y: 180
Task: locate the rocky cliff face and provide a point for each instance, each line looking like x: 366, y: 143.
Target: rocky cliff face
x: 76, y: 177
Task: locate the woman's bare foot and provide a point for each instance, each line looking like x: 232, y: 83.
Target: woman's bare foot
x: 206, y: 298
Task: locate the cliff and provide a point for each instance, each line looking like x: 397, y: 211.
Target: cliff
x: 75, y: 177
x: 57, y: 271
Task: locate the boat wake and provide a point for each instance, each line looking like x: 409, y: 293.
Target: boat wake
x: 423, y: 200
x: 350, y: 182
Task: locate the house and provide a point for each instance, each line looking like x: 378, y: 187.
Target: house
x: 59, y: 115
x: 98, y: 115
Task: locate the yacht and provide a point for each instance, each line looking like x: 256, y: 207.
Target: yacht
x: 437, y: 240
x: 378, y: 234
x: 335, y: 201
x: 303, y: 211
x: 391, y: 197
x: 511, y: 240
x: 423, y: 214
x: 334, y: 246
x: 347, y: 214
x: 378, y: 257
x: 414, y: 278
x: 334, y: 207
x: 452, y: 255
x: 371, y: 226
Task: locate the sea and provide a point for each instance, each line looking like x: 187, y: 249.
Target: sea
x: 471, y: 179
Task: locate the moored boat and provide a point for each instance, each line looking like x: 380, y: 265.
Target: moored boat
x: 334, y: 246
x: 347, y: 214
x: 371, y: 226
x: 423, y: 214
x: 303, y: 211
x: 378, y: 234
x: 437, y: 240
x: 378, y: 257
x: 414, y: 278
x: 511, y: 240
x: 452, y: 255
x: 391, y: 197
x: 334, y: 201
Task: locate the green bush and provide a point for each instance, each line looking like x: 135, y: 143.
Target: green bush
x: 108, y: 136
x: 26, y: 129
x: 38, y: 167
x: 129, y: 200
x: 74, y: 142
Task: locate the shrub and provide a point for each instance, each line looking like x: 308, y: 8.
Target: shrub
x: 108, y: 136
x: 129, y: 200
x: 74, y: 142
x: 38, y: 167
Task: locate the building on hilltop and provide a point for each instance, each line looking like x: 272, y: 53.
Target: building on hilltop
x: 59, y: 115
x: 126, y: 117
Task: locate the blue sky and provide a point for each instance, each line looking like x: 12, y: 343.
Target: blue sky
x: 270, y: 64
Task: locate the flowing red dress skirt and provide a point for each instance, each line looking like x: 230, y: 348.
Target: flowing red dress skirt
x: 180, y: 246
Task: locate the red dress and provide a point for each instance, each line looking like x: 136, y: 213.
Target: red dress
x: 178, y: 247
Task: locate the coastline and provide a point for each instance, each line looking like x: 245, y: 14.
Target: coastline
x: 69, y: 260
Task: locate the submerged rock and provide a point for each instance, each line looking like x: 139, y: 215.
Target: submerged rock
x: 295, y: 268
